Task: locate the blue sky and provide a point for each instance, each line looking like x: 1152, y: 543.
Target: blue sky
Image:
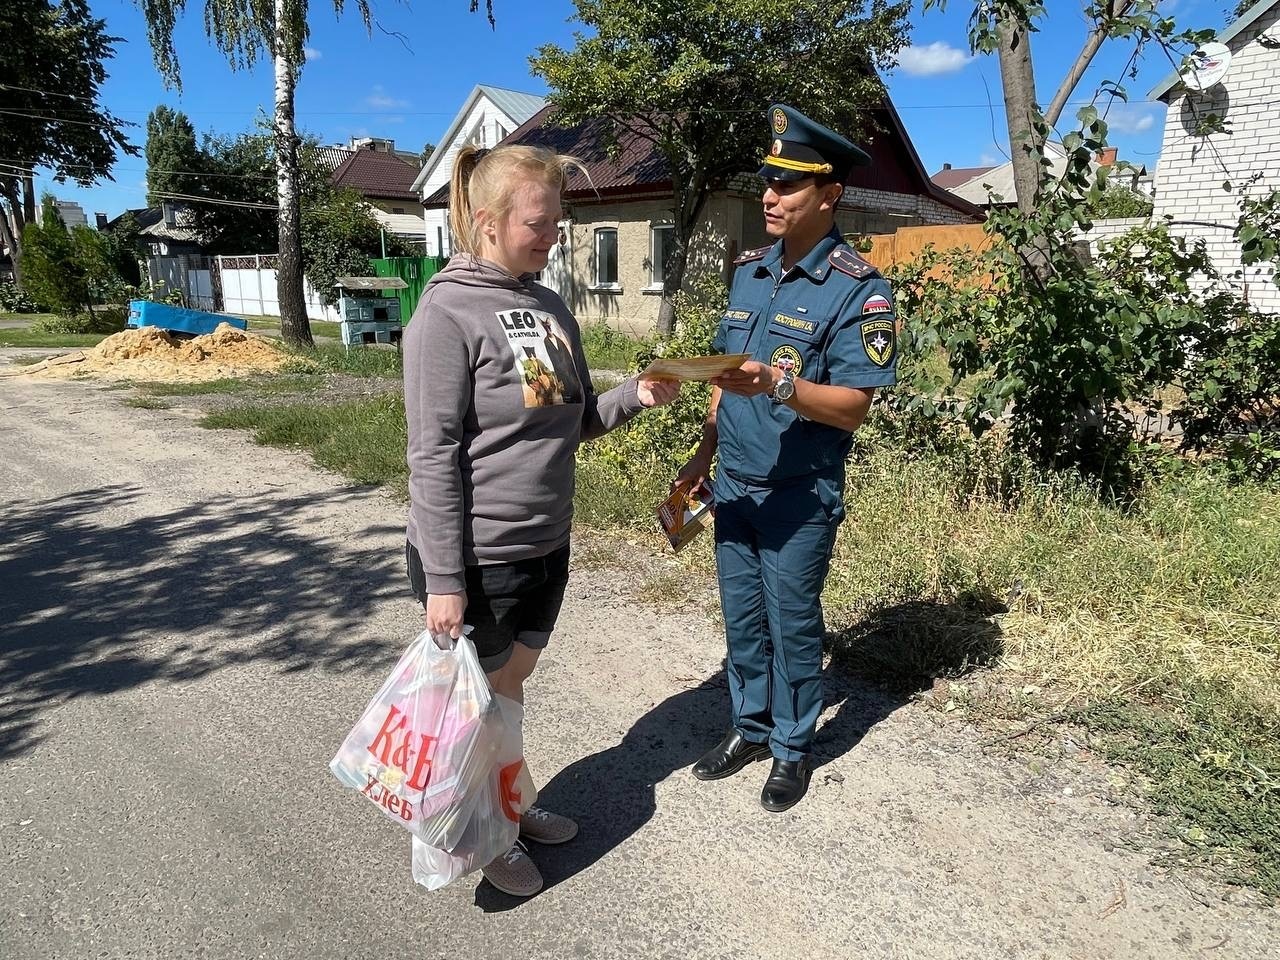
x: 356, y: 84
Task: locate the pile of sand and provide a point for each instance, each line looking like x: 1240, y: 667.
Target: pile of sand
x: 151, y: 354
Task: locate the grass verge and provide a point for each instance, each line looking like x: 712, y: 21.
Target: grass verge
x: 319, y: 328
x: 18, y: 337
x: 260, y: 385
x: 358, y: 362
x: 362, y: 439
x: 145, y: 403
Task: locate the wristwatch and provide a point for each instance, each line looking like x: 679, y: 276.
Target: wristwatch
x: 785, y: 388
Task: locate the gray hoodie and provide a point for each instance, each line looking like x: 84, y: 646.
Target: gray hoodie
x: 498, y: 399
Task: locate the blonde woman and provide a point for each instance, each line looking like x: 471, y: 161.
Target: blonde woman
x: 493, y: 428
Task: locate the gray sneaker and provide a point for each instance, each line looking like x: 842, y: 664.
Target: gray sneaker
x: 514, y: 872
x: 543, y: 826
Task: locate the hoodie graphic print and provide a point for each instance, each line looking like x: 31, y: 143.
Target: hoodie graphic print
x: 497, y: 398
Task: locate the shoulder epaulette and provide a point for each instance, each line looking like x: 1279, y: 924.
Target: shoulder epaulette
x: 846, y: 261
x: 748, y: 255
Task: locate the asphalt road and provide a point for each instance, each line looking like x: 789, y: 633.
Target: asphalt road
x: 189, y: 624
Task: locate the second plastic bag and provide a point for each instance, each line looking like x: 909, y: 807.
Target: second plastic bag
x: 492, y: 823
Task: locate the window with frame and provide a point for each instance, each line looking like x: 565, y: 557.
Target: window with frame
x: 606, y: 241
x: 662, y: 244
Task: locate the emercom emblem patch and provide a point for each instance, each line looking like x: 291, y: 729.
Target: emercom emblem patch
x: 878, y: 341
x: 787, y: 357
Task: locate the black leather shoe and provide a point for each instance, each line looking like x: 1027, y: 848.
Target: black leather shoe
x: 788, y: 781
x: 728, y: 757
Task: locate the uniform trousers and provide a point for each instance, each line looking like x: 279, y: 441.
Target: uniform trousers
x: 773, y: 551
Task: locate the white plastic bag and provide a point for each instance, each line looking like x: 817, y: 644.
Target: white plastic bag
x: 493, y: 823
x: 426, y: 743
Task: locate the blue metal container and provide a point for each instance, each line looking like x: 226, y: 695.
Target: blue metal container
x: 145, y: 313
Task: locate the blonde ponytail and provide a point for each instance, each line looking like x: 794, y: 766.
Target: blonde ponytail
x: 488, y: 179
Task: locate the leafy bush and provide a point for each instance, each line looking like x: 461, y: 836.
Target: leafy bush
x: 662, y: 440
x: 14, y: 300
x: 610, y: 349
x: 1232, y: 385
x: 100, y: 320
x: 70, y: 270
x: 1117, y: 202
x: 1065, y: 351
x: 339, y: 237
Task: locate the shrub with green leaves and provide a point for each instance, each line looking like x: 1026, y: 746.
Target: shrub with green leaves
x: 666, y: 437
x: 1067, y: 350
x: 14, y: 300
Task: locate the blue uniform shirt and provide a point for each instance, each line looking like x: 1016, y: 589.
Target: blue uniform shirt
x: 831, y: 318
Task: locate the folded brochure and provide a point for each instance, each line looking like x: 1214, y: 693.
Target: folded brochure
x: 683, y: 515
x: 693, y: 368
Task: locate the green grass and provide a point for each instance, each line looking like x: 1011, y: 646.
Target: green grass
x: 28, y: 318
x: 369, y: 361
x: 272, y: 385
x: 17, y: 337
x: 608, y: 349
x: 319, y: 328
x: 145, y: 403
x: 361, y: 439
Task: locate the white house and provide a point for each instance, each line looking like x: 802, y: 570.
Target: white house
x: 1195, y: 160
x: 487, y: 116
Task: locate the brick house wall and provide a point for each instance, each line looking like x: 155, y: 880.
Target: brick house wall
x: 1193, y: 168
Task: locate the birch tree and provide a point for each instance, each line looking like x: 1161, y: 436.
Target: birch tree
x: 1005, y: 28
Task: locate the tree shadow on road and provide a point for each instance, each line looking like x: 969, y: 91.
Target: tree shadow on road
x: 90, y: 605
x: 611, y: 793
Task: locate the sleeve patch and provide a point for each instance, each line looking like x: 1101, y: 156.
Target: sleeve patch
x: 877, y: 304
x: 878, y: 341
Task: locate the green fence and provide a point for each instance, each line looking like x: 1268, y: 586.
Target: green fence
x: 415, y: 271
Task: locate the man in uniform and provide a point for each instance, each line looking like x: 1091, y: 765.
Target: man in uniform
x: 819, y: 325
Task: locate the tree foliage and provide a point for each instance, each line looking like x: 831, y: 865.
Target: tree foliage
x: 69, y: 270
x: 54, y: 54
x: 339, y: 237
x: 1118, y: 202
x: 1070, y: 361
x: 173, y: 157
x: 695, y: 77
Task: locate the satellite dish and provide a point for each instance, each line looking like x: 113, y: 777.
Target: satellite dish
x: 1206, y: 67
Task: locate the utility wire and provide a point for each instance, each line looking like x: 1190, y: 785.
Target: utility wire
x: 187, y: 198
x: 47, y: 93
x: 17, y: 164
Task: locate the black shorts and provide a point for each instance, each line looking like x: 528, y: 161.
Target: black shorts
x: 507, y: 603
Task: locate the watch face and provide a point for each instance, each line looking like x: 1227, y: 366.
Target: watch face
x: 785, y: 390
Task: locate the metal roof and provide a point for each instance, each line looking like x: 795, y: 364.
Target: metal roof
x: 1226, y: 36
x: 377, y: 174
x: 1000, y: 179
x: 516, y: 105
x: 954, y: 176
x: 519, y: 107
x: 636, y: 168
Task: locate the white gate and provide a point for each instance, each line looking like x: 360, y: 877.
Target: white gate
x: 249, y: 285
